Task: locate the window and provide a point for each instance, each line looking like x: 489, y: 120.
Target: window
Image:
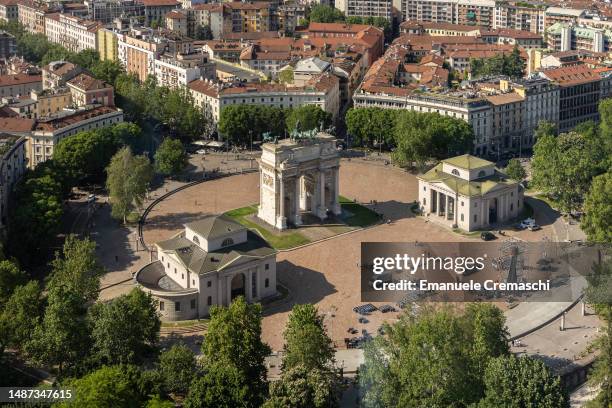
x: 196, y: 240
x: 175, y: 270
x: 424, y: 201
x: 162, y: 259
x: 424, y: 188
x: 267, y: 267
x: 177, y: 306
x: 208, y: 284
x: 481, y: 173
x: 475, y: 218
x: 193, y: 282
x: 209, y: 300
x: 511, y: 207
x: 455, y: 172
x: 192, y: 303
x: 227, y: 242
x: 182, y: 276
x: 461, y: 217
x: 267, y: 283
x: 161, y: 306
x: 462, y: 203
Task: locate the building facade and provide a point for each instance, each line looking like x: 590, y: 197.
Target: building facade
x: 210, y: 263
x: 12, y: 168
x: 469, y: 193
x: 72, y: 33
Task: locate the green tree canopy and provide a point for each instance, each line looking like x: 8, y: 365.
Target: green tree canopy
x: 20, y: 315
x: 563, y: 166
x: 301, y: 387
x: 234, y: 340
x: 515, y: 170
x: 322, y: 13
x: 512, y: 65
x: 306, y: 342
x: 126, y: 329
x: 597, y: 220
x: 423, y: 136
x: 425, y: 360
x: 521, y: 382
x: 170, y: 157
x: 178, y: 368
x: 10, y: 277
x: 128, y: 178
x: 371, y: 125
x: 109, y: 386
x: 307, y: 117
x: 241, y: 123
x: 221, y: 386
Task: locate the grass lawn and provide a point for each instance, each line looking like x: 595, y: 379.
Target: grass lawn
x: 284, y: 240
x: 185, y: 323
x: 362, y: 216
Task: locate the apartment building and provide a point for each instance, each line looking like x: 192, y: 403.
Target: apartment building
x: 180, y: 69
x: 48, y: 132
x: 8, y: 45
x: 138, y: 50
x: 19, y: 84
x: 105, y: 11
x: 579, y: 94
x: 472, y: 12
x: 57, y: 73
x: 366, y: 8
x: 72, y: 33
x: 9, y: 10
x: 540, y: 103
x: 224, y: 50
x: 566, y: 37
x: 156, y: 10
x: 519, y: 15
x: 12, y: 169
x: 88, y: 90
x: 214, y: 15
x: 179, y: 22
x: 436, y: 29
x: 554, y: 15
x: 322, y: 90
x: 50, y: 101
x: 108, y: 44
x: 32, y: 15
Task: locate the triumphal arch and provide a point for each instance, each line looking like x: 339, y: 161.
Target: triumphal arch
x: 298, y: 175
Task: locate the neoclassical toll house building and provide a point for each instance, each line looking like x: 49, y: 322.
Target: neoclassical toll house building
x: 469, y: 193
x: 211, y: 262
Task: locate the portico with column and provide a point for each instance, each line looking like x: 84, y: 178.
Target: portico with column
x: 299, y: 176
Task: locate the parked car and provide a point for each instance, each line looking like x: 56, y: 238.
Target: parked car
x: 526, y: 223
x: 487, y: 236
x: 534, y: 227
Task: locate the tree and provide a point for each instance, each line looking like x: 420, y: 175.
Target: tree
x: 177, y: 110
x: 424, y: 136
x: 424, y: 361
x: 307, y: 117
x: 234, y: 339
x: 107, y: 71
x: 369, y: 126
x: 563, y: 166
x: 78, y: 269
x: 285, y: 76
x: 306, y: 342
x: 322, y: 13
x: 513, y: 382
x: 605, y: 128
x: 515, y: 170
x: 301, y: 387
x: 125, y: 329
x: 10, y: 277
x: 109, y: 386
x: 221, y: 386
x: 241, y: 124
x: 599, y: 295
x: 170, y: 158
x: 62, y: 338
x: 20, y: 316
x: 178, y: 368
x: 203, y: 32
x: 128, y: 178
x: 597, y: 219
x: 512, y: 65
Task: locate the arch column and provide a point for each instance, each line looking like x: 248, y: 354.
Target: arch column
x: 336, y: 208
x: 321, y: 210
x: 281, y: 219
x: 297, y: 216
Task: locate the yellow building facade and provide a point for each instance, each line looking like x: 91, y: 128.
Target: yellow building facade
x: 108, y: 45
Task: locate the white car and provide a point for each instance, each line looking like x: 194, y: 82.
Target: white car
x: 526, y: 223
x: 201, y: 151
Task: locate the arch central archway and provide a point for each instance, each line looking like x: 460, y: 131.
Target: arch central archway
x: 238, y: 285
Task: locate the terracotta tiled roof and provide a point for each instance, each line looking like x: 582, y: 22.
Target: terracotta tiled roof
x: 63, y: 121
x: 572, y: 75
x: 337, y: 27
x: 204, y: 87
x: 16, y: 124
x: 503, y: 99
x: 153, y: 3
x: 17, y: 79
x: 87, y: 82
